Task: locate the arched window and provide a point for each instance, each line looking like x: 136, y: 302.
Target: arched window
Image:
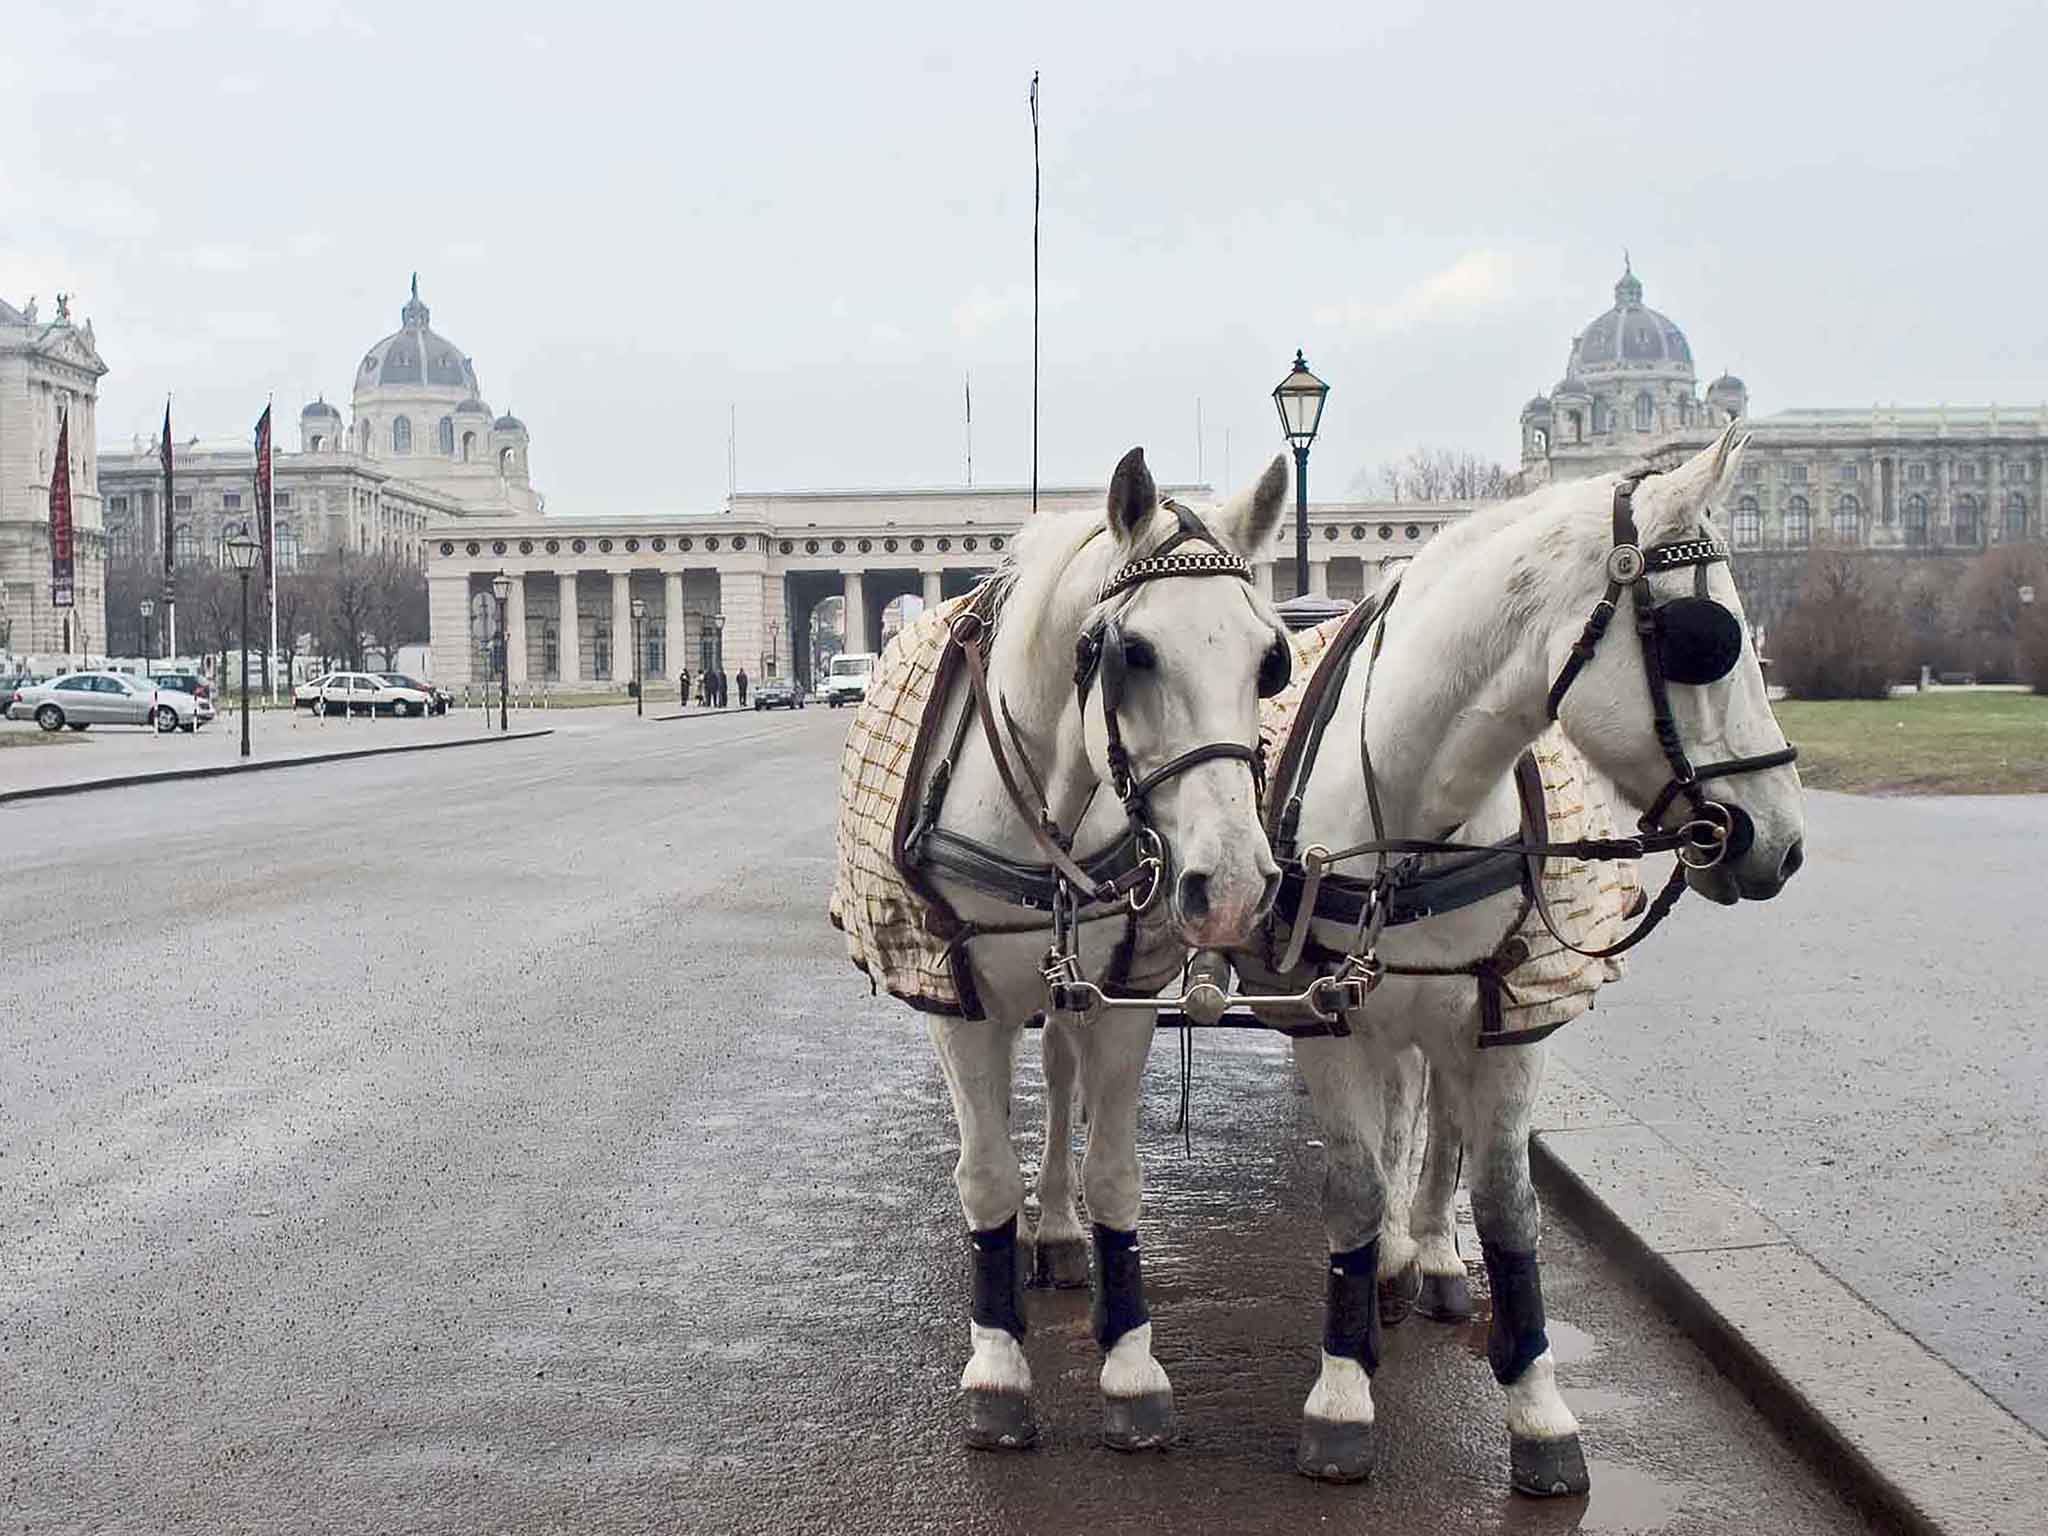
x: 363, y: 437
x: 319, y: 443
x: 1646, y: 412
x: 287, y: 546
x: 401, y: 434
x: 1749, y: 523
x: 120, y: 543
x: 1798, y: 523
x: 447, y: 435
x: 184, y: 546
x: 1848, y: 520
x: 1578, y: 427
x: 1916, y: 520
x: 2015, y: 516
x: 468, y: 446
x: 508, y: 460
x: 1966, y: 520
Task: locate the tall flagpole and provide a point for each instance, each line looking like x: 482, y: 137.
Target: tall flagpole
x: 1034, y: 290
x: 270, y: 554
x: 170, y: 543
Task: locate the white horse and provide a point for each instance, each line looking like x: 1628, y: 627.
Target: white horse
x: 1486, y: 638
x: 1166, y: 713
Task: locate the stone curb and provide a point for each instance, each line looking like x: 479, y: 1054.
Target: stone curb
x: 1911, y: 1442
x: 218, y: 770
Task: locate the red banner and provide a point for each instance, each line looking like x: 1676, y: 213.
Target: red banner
x: 61, y: 567
x: 263, y: 518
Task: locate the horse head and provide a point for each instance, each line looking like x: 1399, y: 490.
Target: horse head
x: 1673, y: 690
x: 1172, y: 662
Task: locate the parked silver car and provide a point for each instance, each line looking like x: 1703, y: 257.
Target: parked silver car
x: 80, y: 700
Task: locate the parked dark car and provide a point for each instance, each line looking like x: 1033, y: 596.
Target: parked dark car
x: 778, y: 693
x: 441, y: 697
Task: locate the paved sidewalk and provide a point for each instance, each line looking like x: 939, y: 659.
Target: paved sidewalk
x: 1865, y: 1061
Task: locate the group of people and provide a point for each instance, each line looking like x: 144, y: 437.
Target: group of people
x: 714, y: 689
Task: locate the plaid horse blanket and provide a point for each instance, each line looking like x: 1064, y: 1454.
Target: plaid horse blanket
x: 897, y: 930
x: 1591, y: 901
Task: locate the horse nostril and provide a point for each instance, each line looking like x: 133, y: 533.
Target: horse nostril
x: 1795, y: 856
x: 1191, y: 895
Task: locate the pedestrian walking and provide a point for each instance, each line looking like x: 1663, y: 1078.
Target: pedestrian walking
x: 683, y: 690
x: 742, y: 681
x: 723, y: 684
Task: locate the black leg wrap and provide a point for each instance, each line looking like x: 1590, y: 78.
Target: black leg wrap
x: 995, y: 1279
x: 1351, y: 1318
x: 1517, y: 1335
x: 1119, y: 1286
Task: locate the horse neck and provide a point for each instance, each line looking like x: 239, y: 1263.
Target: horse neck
x: 1460, y: 687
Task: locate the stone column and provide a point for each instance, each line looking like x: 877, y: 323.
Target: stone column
x: 515, y: 630
x: 447, y: 625
x: 856, y: 612
x: 741, y: 600
x: 1319, y: 578
x: 675, y: 643
x: 934, y: 588
x: 568, y: 633
x: 622, y: 627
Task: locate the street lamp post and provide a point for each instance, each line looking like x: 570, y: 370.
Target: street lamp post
x: 718, y: 652
x: 1300, y: 398
x: 501, y: 588
x: 639, y: 656
x: 242, y: 552
x: 148, y: 612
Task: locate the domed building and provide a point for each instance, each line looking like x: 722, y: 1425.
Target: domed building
x: 420, y: 448
x: 1628, y: 386
x: 1916, y: 481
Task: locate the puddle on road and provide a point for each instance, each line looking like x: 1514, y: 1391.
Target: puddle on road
x: 1628, y: 1499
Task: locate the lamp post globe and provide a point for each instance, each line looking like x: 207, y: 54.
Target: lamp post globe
x: 501, y: 589
x: 1299, y: 399
x: 242, y: 552
x: 148, y: 610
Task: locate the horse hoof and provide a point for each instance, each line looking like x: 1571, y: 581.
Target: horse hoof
x: 1060, y: 1264
x: 1398, y: 1292
x: 1000, y: 1421
x: 1336, y: 1450
x: 1548, y: 1469
x: 1445, y: 1298
x: 1142, y: 1423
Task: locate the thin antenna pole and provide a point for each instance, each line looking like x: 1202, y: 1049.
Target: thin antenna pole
x: 970, y: 429
x: 1226, y: 461
x: 1035, y: 189
x: 1198, y: 439
x: 732, y: 450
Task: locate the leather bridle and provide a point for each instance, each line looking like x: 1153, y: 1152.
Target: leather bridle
x: 1134, y: 871
x: 1717, y: 830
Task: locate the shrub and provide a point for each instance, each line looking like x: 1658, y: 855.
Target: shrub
x: 1845, y: 636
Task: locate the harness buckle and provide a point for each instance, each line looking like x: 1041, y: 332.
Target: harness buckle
x: 967, y: 628
x: 1151, y: 869
x: 1704, y: 840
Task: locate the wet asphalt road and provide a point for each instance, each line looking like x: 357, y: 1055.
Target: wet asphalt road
x: 1866, y: 1060
x: 497, y: 1140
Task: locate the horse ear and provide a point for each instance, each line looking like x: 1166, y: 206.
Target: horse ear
x: 1249, y: 517
x: 1696, y: 488
x: 1132, y: 496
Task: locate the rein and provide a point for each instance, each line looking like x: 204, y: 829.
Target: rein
x: 1402, y: 891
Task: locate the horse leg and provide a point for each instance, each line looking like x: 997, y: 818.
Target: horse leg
x: 1545, y: 1457
x: 1446, y: 1293
x: 996, y: 1385
x: 1401, y: 1098
x: 1061, y: 1247
x: 1137, y: 1399
x: 1339, y: 1440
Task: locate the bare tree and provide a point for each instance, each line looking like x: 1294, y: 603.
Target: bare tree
x: 1438, y: 474
x: 344, y: 586
x: 1846, y: 634
x: 395, y: 606
x: 1990, y: 604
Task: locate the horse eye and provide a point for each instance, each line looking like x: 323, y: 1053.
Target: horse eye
x: 1276, y: 668
x: 1139, y: 655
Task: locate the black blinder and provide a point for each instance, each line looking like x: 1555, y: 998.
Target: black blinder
x: 1698, y: 640
x: 1276, y: 669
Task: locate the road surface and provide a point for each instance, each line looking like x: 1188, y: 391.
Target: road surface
x: 497, y: 1140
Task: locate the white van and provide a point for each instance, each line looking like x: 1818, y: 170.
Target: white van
x: 846, y: 678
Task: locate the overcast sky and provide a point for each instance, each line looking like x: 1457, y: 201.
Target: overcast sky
x: 634, y: 217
